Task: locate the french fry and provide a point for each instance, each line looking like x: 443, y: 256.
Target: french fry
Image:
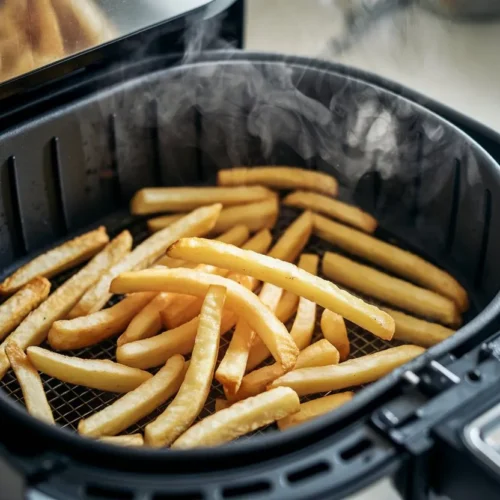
x: 286, y: 308
x: 315, y: 408
x: 85, y: 331
x: 321, y: 353
x: 58, y: 259
x: 240, y: 419
x: 148, y: 321
x: 193, y: 393
x: 259, y: 215
x: 17, y: 307
x: 152, y: 352
x: 303, y: 325
x: 184, y: 308
x: 394, y: 291
x: 221, y: 404
x: 136, y: 404
x: 234, y: 236
x: 232, y: 367
x: 199, y: 221
x: 163, y: 221
x: 336, y: 209
x: 169, y: 199
x: 289, y: 277
x: 392, y: 258
x: 334, y: 330
x: 148, y: 353
x: 351, y: 373
x: 43, y: 29
x: 127, y: 440
x: 279, y: 177
x: 417, y: 331
x: 100, y: 374
x: 30, y: 382
x: 240, y: 300
x: 34, y: 328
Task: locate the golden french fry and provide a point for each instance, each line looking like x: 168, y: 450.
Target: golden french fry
x: 30, y: 382
x: 287, y: 306
x: 234, y: 236
x: 336, y: 209
x: 334, y: 330
x: 164, y: 221
x: 294, y: 239
x: 58, y: 259
x: 169, y: 199
x: 199, y: 221
x: 127, y: 440
x: 17, y: 307
x: 303, y: 326
x: 193, y: 393
x: 240, y: 419
x: 148, y: 353
x: 321, y: 353
x: 43, y: 29
x: 289, y: 277
x: 184, y: 308
x: 221, y: 404
x: 148, y: 321
x: 315, y: 408
x: 279, y: 177
x: 259, y: 215
x: 350, y: 373
x: 66, y: 335
x: 34, y: 328
x: 417, y: 331
x: 392, y: 258
x: 240, y: 300
x: 394, y: 291
x: 100, y: 374
x: 138, y: 403
x: 232, y: 367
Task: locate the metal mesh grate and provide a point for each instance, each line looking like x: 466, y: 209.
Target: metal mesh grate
x: 72, y: 403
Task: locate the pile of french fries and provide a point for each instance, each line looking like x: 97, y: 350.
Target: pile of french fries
x: 34, y: 33
x: 211, y: 266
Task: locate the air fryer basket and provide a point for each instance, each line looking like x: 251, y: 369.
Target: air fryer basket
x: 432, y: 188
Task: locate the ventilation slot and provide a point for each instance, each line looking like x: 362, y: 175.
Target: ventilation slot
x: 155, y: 141
x: 256, y: 488
x: 10, y: 195
x: 110, y: 176
x: 358, y: 449
x: 178, y: 496
x: 198, y: 127
x: 309, y: 472
x: 485, y: 238
x: 60, y: 212
x: 101, y: 493
x: 452, y: 227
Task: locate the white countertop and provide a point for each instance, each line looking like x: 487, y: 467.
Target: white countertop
x: 454, y: 62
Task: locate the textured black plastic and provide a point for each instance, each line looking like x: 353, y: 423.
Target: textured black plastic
x: 427, y: 182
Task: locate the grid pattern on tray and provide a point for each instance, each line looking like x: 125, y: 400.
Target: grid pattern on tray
x: 71, y: 403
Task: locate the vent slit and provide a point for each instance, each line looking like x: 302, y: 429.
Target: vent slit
x: 198, y: 127
x: 61, y: 212
x: 484, y: 239
x: 113, y: 175
x: 256, y: 488
x: 355, y: 450
x: 452, y: 227
x: 13, y: 208
x: 155, y: 141
x: 309, y: 472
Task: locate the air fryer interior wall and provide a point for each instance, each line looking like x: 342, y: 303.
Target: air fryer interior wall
x: 431, y: 187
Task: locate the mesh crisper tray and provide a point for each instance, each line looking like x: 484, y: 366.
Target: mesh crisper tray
x: 71, y: 403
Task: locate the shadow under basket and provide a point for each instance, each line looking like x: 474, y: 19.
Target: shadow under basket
x: 433, y: 190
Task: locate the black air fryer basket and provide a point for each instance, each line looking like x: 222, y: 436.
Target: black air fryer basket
x: 74, y: 149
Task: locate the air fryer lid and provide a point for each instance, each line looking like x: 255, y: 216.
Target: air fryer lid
x: 430, y: 186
